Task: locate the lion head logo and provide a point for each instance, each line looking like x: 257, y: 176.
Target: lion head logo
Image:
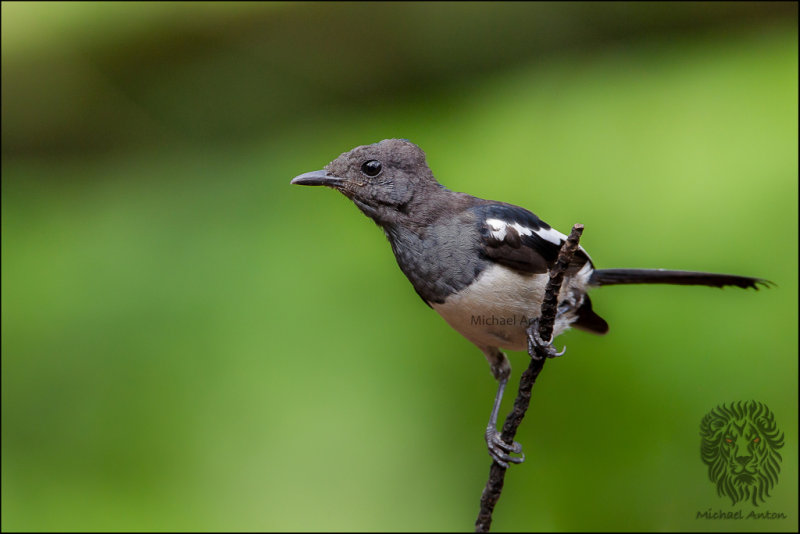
x: 740, y: 446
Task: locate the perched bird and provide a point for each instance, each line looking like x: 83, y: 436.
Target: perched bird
x: 482, y: 265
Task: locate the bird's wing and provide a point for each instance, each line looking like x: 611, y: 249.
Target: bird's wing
x: 515, y: 237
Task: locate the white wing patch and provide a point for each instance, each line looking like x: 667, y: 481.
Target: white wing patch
x: 498, y: 228
x: 552, y: 235
x: 498, y: 231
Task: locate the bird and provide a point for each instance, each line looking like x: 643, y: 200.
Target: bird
x: 481, y: 264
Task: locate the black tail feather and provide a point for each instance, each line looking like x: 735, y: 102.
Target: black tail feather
x: 609, y: 277
x: 588, y: 320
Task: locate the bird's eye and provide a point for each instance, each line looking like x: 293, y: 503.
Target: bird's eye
x: 372, y: 167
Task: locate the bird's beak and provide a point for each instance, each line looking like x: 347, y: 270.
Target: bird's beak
x: 317, y: 178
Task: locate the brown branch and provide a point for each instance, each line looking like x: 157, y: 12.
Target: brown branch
x: 539, y: 352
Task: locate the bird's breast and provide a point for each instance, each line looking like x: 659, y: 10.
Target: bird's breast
x: 497, y: 307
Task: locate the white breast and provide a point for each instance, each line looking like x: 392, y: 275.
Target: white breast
x: 496, y: 308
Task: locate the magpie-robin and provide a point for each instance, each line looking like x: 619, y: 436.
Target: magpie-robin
x: 482, y: 265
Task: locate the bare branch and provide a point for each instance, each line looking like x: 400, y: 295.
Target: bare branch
x: 539, y: 352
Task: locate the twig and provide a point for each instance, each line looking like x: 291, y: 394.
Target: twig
x: 539, y: 352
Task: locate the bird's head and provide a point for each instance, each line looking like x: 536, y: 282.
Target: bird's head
x: 383, y: 179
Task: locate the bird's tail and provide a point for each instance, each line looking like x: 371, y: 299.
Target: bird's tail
x: 610, y: 277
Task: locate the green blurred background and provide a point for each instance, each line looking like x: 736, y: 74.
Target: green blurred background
x: 190, y: 343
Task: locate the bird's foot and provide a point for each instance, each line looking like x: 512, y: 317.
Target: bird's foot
x: 536, y: 341
x: 500, y: 451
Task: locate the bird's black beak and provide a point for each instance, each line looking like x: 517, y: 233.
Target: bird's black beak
x: 317, y: 178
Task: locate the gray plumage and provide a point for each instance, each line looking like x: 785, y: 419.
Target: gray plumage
x: 481, y: 264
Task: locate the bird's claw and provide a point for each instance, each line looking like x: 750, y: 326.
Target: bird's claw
x: 499, y: 450
x: 536, y: 341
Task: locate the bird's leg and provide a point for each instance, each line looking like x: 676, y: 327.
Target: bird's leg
x: 535, y: 340
x: 498, y: 449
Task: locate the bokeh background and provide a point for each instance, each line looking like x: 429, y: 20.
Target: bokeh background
x: 190, y: 343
